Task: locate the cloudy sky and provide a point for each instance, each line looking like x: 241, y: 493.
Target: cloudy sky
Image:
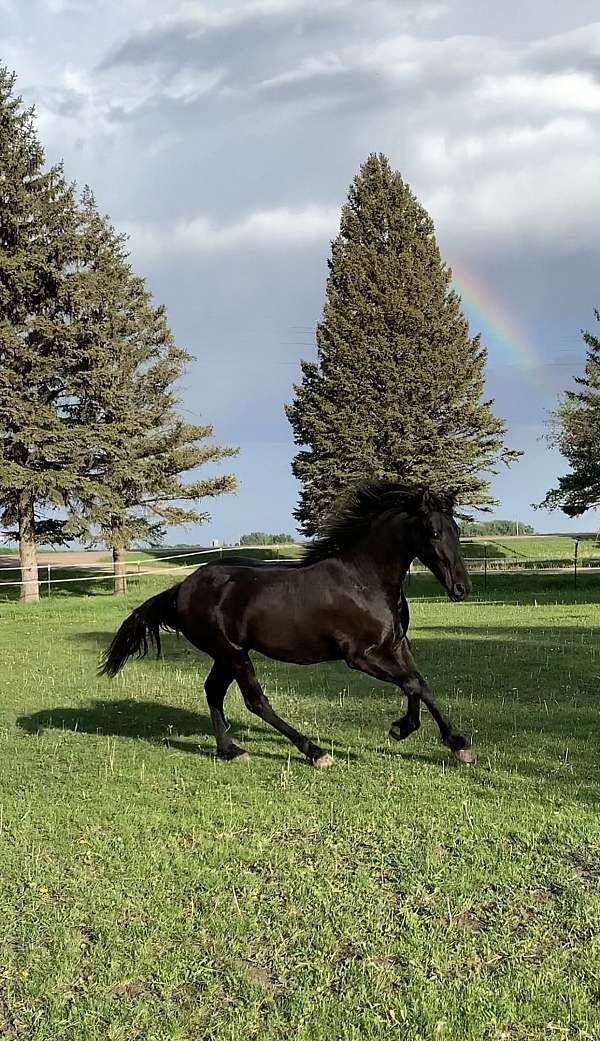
x: 223, y: 137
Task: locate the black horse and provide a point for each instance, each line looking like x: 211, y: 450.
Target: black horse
x: 342, y: 601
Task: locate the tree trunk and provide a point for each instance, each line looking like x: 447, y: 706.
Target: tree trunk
x: 30, y: 590
x: 119, y: 571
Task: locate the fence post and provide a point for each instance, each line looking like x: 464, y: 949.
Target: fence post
x: 408, y: 574
x: 575, y: 564
x: 49, y: 583
x: 485, y: 565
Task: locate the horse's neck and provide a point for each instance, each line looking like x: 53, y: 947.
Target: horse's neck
x: 388, y: 555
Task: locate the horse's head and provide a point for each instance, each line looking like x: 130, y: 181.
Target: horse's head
x: 436, y: 543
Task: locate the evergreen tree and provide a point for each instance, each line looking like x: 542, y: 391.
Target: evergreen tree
x: 577, y: 434
x: 397, y: 389
x: 127, y: 395
x: 41, y: 449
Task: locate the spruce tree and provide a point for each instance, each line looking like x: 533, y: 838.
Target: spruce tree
x: 576, y: 433
x: 41, y: 450
x: 397, y: 391
x: 127, y: 394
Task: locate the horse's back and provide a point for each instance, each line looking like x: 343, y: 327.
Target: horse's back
x: 286, y: 613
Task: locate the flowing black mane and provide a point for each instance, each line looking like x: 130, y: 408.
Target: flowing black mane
x: 360, y: 508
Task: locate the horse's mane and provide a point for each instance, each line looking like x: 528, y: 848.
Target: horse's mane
x: 360, y: 508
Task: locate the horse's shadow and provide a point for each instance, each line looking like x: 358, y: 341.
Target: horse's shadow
x: 149, y: 721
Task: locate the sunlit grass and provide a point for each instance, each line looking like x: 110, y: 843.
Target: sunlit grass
x: 547, y: 547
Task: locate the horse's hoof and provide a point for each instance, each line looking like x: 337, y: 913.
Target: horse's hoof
x: 323, y: 762
x: 465, y: 755
x: 239, y: 754
x: 397, y: 734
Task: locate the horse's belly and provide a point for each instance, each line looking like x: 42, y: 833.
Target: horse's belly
x: 304, y: 652
x: 286, y: 639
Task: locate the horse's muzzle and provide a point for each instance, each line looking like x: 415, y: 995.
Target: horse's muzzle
x: 459, y: 591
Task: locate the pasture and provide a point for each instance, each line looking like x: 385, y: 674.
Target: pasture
x: 559, y: 548
x: 150, y: 891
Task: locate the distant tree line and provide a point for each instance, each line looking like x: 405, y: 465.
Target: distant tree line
x: 92, y: 445
x: 262, y: 538
x: 495, y: 527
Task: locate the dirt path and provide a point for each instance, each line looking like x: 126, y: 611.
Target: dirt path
x: 84, y: 558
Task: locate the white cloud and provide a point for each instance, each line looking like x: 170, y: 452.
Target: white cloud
x: 63, y: 6
x: 206, y: 16
x: 188, y: 85
x: 404, y: 58
x: 583, y: 40
x: 449, y: 153
x: 553, y: 206
x: 310, y: 68
x: 217, y: 15
x: 263, y: 229
x: 569, y: 91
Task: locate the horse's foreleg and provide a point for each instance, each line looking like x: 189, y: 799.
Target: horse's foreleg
x: 414, y: 686
x: 257, y: 703
x: 399, y: 667
x: 217, y: 683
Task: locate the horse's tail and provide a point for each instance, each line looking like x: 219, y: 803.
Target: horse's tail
x: 142, y: 626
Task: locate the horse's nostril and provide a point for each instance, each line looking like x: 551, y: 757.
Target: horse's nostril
x: 459, y: 589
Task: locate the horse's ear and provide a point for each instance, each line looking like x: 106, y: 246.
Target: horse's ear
x: 429, y: 501
x: 426, y: 501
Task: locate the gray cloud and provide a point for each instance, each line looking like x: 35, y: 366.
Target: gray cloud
x: 574, y: 51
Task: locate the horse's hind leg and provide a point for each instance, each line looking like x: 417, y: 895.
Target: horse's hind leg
x: 411, y: 721
x: 257, y: 703
x: 217, y: 683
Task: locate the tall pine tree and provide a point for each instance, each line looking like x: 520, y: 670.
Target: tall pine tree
x: 42, y: 451
x: 577, y: 435
x: 127, y: 394
x: 397, y: 391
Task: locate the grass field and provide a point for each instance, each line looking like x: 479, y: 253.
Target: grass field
x: 548, y: 547
x: 150, y: 892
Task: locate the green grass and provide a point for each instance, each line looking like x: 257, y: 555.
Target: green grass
x: 150, y: 892
x: 548, y: 547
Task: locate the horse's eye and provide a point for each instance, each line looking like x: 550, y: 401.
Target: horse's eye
x: 436, y: 534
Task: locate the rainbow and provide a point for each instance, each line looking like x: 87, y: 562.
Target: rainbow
x: 488, y: 316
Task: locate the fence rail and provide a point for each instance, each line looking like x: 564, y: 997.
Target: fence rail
x: 487, y: 566
x: 104, y: 571
x: 50, y: 575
